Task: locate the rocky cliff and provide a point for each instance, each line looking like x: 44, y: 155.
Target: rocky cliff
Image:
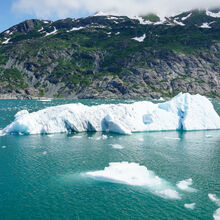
x: 107, y: 56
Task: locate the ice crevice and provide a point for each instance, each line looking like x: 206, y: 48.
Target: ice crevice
x: 184, y: 112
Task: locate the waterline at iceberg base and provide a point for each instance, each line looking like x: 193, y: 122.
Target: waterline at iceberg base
x: 184, y: 112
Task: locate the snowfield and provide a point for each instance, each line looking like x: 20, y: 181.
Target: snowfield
x: 183, y: 112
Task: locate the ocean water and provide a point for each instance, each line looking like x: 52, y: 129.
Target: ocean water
x: 47, y: 176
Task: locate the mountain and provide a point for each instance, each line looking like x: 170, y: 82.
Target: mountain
x: 109, y: 56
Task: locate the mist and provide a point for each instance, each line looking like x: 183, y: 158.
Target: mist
x: 74, y: 8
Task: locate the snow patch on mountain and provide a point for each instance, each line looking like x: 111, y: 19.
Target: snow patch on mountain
x: 140, y: 39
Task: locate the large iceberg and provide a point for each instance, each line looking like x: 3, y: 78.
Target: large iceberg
x: 183, y: 112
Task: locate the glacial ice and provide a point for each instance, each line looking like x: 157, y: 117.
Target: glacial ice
x: 214, y: 198
x: 216, y: 215
x: 117, y: 146
x: 185, y: 185
x: 136, y: 175
x: 183, y: 112
x: 190, y: 206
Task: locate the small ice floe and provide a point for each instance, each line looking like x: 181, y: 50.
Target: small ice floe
x: 97, y: 138
x: 117, y: 33
x: 216, y: 214
x: 117, y: 146
x: 76, y: 137
x: 172, y: 138
x: 44, y: 100
x: 44, y: 153
x: 136, y: 175
x: 208, y: 136
x: 3, y: 147
x: 190, y: 206
x: 50, y: 135
x: 169, y: 194
x: 104, y: 137
x: 140, y: 39
x: 185, y: 185
x: 214, y: 199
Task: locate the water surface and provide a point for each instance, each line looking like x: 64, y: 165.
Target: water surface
x: 43, y: 176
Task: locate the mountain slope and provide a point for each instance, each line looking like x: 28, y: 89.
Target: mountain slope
x: 112, y: 57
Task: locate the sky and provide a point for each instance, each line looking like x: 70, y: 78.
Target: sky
x: 15, y: 11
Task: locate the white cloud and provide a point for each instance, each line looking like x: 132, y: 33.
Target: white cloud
x: 65, y: 8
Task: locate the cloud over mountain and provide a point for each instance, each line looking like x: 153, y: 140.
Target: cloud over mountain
x: 64, y: 8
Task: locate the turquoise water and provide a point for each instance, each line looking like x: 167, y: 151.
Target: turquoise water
x: 42, y: 176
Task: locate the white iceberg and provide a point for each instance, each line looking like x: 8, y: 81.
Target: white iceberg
x: 214, y: 198
x: 185, y: 185
x: 136, y: 175
x: 190, y: 206
x: 183, y: 112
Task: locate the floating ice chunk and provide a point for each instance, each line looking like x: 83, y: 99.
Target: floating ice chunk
x: 50, y: 135
x: 97, y: 138
x: 76, y: 137
x: 104, y: 137
x: 190, y: 206
x: 172, y: 138
x: 44, y: 100
x: 214, y: 199
x: 140, y: 39
x: 117, y: 146
x: 183, y: 112
x: 208, y: 136
x: 3, y: 147
x: 137, y: 175
x: 44, y: 153
x: 169, y: 194
x: 216, y: 214
x: 185, y: 185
